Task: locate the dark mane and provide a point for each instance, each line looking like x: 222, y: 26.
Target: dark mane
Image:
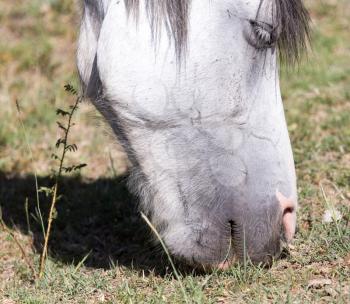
x: 292, y: 19
x: 172, y: 13
x: 294, y: 22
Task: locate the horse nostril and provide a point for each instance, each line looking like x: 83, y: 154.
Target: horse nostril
x: 288, y: 207
x: 233, y: 228
x: 229, y: 258
x: 288, y: 210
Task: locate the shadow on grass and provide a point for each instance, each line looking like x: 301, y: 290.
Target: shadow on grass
x: 99, y: 217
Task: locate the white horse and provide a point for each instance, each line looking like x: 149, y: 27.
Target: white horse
x: 191, y: 89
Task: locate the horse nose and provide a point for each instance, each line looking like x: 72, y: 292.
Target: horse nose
x: 288, y: 207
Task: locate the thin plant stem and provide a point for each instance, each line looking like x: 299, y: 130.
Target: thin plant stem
x: 49, y: 225
x: 55, y: 188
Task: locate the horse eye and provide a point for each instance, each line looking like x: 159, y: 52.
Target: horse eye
x: 261, y: 35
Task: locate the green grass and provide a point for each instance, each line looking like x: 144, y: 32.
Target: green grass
x: 101, y: 250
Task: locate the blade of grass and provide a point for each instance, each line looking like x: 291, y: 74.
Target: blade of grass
x: 81, y: 262
x: 26, y: 140
x: 331, y: 207
x: 26, y: 208
x: 145, y: 218
x: 114, y: 171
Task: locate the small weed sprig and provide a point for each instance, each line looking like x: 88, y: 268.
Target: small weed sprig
x: 64, y: 146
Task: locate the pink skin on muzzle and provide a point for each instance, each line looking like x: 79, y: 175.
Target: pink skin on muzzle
x: 288, y: 206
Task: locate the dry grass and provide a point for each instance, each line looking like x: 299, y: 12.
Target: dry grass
x: 97, y: 219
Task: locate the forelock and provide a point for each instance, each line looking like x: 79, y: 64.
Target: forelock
x: 171, y: 13
x: 294, y: 24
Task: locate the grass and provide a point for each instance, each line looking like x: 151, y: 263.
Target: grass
x: 100, y: 251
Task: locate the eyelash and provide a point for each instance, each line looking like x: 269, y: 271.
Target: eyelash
x: 263, y: 34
